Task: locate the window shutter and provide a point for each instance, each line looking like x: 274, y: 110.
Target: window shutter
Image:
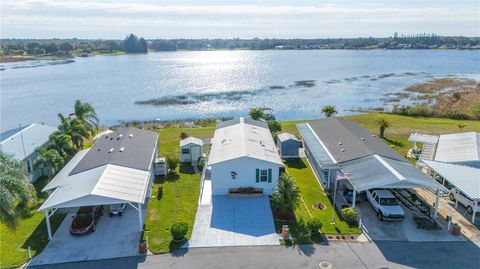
x: 258, y: 176
x: 269, y: 175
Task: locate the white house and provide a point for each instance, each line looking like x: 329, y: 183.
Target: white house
x: 21, y: 143
x: 243, y: 155
x: 190, y: 149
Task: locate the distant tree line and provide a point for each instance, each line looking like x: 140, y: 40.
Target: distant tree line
x: 134, y: 44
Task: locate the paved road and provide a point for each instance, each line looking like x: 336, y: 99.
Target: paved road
x: 340, y: 255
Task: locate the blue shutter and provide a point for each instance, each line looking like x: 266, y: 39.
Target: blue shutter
x: 269, y: 175
x: 258, y: 176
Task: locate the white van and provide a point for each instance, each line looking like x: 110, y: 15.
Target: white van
x: 456, y: 195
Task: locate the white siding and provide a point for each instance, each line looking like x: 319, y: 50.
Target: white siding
x: 195, y: 151
x: 245, y: 168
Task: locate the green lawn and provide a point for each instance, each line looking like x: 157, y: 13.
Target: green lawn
x: 31, y: 232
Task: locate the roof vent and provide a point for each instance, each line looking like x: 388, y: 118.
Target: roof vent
x: 130, y: 135
x: 363, y: 139
x: 339, y: 143
x: 121, y: 149
x: 374, y: 135
x: 343, y: 150
x: 119, y: 136
x: 111, y: 150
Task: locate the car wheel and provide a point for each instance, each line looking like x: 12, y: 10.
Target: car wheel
x: 451, y: 196
x: 120, y: 214
x: 469, y: 210
x: 380, y: 215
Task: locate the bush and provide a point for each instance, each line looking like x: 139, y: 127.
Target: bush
x: 183, y: 135
x: 179, y: 230
x: 314, y: 225
x: 286, y: 196
x: 349, y: 214
x: 172, y: 163
x: 200, y: 163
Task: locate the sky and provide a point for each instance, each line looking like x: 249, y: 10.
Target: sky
x: 231, y: 19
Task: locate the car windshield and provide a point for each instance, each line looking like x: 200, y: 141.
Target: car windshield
x: 388, y: 201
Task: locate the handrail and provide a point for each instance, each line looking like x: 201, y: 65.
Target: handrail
x: 202, y: 180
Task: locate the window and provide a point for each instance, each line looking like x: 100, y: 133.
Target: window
x: 29, y: 166
x: 185, y: 151
x: 233, y: 174
x: 264, y: 175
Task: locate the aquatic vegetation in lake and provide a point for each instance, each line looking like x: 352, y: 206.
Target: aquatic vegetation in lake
x: 304, y: 83
x: 194, y: 98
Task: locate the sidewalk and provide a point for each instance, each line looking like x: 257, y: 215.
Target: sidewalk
x: 468, y: 229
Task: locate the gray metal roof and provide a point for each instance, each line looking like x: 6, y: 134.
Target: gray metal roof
x: 465, y: 178
x: 22, y: 142
x: 127, y: 147
x: 347, y: 140
x: 319, y: 153
x: 460, y: 147
x: 286, y: 136
x: 227, y: 123
x: 380, y: 172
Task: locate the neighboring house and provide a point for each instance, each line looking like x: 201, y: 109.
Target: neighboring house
x: 288, y: 145
x: 339, y: 148
x: 21, y: 143
x: 242, y: 155
x: 117, y: 169
x: 190, y: 150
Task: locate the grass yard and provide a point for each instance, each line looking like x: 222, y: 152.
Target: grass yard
x: 31, y: 232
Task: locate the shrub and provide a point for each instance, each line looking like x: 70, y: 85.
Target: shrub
x: 349, y: 214
x: 314, y: 225
x: 172, y: 163
x: 179, y: 230
x: 183, y: 135
x: 274, y: 126
x: 286, y: 196
x: 200, y: 163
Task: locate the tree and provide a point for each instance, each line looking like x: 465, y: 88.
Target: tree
x: 51, y: 48
x: 75, y: 129
x: 172, y: 163
x: 62, y: 143
x: 142, y: 45
x: 183, y: 135
x: 383, y: 124
x: 329, y: 111
x: 461, y: 126
x: 48, y: 158
x: 15, y: 189
x: 274, y: 126
x: 85, y: 112
x: 134, y: 45
x: 65, y: 46
x: 286, y: 196
x: 256, y: 113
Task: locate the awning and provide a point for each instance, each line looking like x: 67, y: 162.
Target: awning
x: 465, y: 178
x: 320, y: 154
x: 380, y: 172
x: 423, y: 138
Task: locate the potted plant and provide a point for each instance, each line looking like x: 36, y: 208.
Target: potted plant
x: 179, y: 231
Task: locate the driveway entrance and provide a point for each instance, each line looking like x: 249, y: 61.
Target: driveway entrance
x: 234, y: 222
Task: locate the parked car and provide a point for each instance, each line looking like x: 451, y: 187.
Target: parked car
x: 85, y: 220
x: 347, y: 191
x: 456, y: 195
x: 117, y: 209
x: 385, y: 204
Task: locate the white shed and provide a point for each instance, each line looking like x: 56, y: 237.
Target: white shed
x: 190, y: 149
x: 243, y: 155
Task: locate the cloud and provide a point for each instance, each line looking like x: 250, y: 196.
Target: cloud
x: 112, y: 19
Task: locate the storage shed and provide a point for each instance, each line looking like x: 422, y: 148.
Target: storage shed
x: 288, y: 145
x: 190, y: 150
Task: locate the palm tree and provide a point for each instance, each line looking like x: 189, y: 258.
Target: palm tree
x: 461, y: 126
x: 383, y: 124
x: 329, y: 111
x: 86, y: 113
x: 49, y: 158
x: 286, y: 196
x: 15, y: 189
x: 75, y: 129
x: 62, y: 143
x: 256, y: 113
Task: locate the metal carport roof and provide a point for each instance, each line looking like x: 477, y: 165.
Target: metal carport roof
x: 380, y: 172
x: 465, y: 178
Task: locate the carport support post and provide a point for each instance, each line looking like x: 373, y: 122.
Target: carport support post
x: 140, y: 216
x: 437, y: 200
x: 474, y: 212
x: 49, y: 230
x: 354, y: 197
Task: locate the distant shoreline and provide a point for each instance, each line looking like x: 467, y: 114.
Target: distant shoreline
x: 23, y: 58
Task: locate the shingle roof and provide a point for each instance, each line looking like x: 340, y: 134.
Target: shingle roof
x: 347, y: 140
x: 33, y: 135
x: 127, y: 147
x: 243, y: 139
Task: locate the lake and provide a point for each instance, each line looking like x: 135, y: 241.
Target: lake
x: 203, y: 84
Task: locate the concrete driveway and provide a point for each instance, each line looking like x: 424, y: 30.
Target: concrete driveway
x: 114, y: 237
x: 404, y: 230
x: 234, y: 222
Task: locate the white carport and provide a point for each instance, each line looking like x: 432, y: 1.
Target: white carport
x: 464, y: 178
x: 104, y: 185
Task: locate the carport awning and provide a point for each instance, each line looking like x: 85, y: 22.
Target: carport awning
x: 380, y: 172
x: 465, y: 178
